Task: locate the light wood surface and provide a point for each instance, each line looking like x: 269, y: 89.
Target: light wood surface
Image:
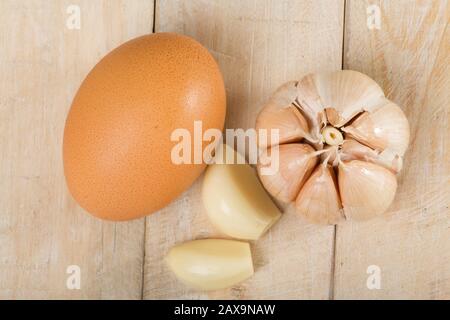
x: 259, y: 45
x: 42, y: 230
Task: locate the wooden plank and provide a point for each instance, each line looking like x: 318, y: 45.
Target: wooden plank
x: 409, y: 56
x: 259, y: 45
x: 42, y: 230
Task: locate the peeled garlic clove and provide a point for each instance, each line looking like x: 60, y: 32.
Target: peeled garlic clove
x: 211, y: 264
x: 235, y: 200
x: 386, y: 127
x: 346, y: 93
x: 353, y: 150
x: 318, y: 200
x: 288, y: 120
x: 296, y: 163
x: 366, y: 189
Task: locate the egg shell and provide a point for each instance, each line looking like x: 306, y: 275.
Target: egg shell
x: 117, y: 145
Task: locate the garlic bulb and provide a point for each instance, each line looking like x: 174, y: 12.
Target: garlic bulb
x: 211, y: 264
x: 349, y: 145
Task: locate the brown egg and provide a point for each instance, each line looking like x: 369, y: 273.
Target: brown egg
x: 117, y: 145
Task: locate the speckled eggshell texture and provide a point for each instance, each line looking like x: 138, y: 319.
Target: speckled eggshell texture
x: 117, y: 146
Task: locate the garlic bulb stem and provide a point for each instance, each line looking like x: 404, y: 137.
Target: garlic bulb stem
x: 332, y: 136
x: 325, y: 162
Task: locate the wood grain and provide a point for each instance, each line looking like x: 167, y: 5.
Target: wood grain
x: 42, y: 230
x: 409, y: 56
x: 259, y: 45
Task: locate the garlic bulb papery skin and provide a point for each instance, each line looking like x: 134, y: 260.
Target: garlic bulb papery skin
x: 318, y: 200
x: 282, y: 112
x: 235, y: 201
x: 359, y: 138
x: 345, y: 93
x: 309, y: 101
x: 296, y: 164
x: 353, y: 150
x: 386, y: 127
x: 366, y: 189
x: 211, y: 264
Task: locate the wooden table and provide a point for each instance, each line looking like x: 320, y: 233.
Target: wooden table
x: 258, y: 45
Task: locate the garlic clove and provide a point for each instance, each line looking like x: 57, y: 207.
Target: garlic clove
x: 353, y: 150
x: 211, y: 264
x: 308, y: 97
x: 296, y: 163
x: 288, y: 120
x: 386, y: 127
x: 318, y: 200
x: 366, y: 189
x: 235, y: 201
x: 329, y: 154
x: 346, y: 93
